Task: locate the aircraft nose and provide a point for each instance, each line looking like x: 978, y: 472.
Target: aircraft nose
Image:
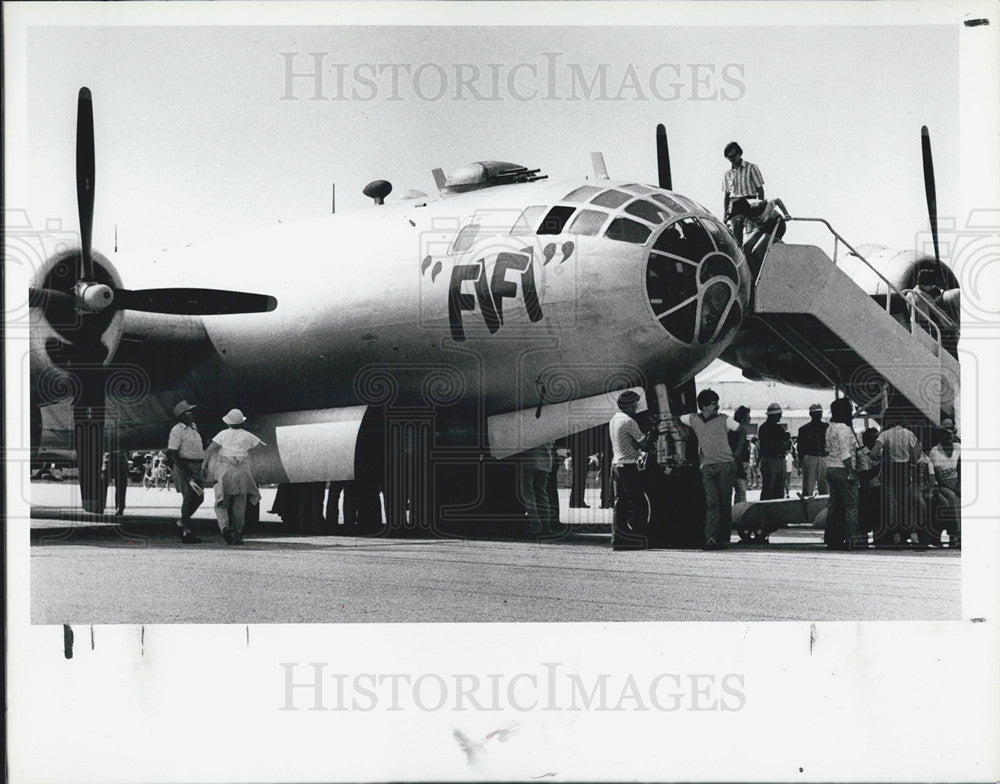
x: 696, y: 281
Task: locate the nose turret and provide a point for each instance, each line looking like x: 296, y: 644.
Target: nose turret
x: 697, y: 280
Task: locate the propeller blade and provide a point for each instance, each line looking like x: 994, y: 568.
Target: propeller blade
x: 40, y: 298
x: 88, y: 429
x: 663, y: 159
x: 929, y: 188
x: 193, y: 302
x: 85, y: 179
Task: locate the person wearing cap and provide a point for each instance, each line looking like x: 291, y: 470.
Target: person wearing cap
x: 718, y: 466
x: 627, y: 442
x: 812, y: 450
x: 773, y: 440
x: 185, y: 453
x: 234, y: 483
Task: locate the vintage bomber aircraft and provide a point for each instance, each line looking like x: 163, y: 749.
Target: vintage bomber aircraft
x: 415, y: 345
x: 475, y: 325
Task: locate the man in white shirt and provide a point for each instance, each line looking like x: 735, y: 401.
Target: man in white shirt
x: 718, y: 466
x: 899, y: 506
x: 186, y: 452
x: 631, y: 511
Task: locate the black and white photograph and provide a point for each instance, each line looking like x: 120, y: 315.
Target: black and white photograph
x: 501, y: 391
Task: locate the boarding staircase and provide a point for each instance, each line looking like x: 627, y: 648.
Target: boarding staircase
x: 869, y: 349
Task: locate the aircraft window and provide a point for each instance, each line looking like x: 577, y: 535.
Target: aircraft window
x: 610, y: 199
x: 669, y: 282
x: 692, y: 206
x: 589, y: 222
x: 466, y: 238
x: 680, y: 323
x: 583, y: 193
x: 529, y: 220
x: 628, y: 230
x: 713, y: 305
x: 716, y: 265
x: 668, y: 202
x: 723, y: 239
x: 732, y: 322
x: 686, y: 238
x: 636, y: 188
x: 555, y: 221
x: 647, y: 211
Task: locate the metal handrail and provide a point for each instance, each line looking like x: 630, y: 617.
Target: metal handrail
x: 912, y: 307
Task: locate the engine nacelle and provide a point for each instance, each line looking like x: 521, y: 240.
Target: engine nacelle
x: 61, y: 336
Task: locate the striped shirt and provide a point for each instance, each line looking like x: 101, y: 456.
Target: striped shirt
x: 743, y: 181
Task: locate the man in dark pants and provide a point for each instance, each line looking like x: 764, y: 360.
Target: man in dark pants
x: 627, y: 443
x: 812, y: 450
x: 118, y: 473
x: 186, y: 452
x: 717, y: 435
x: 579, y: 454
x: 772, y: 437
x: 350, y: 526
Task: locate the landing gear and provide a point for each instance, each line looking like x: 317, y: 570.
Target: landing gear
x: 756, y: 535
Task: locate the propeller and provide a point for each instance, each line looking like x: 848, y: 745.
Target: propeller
x: 88, y: 305
x: 663, y: 159
x: 85, y: 168
x: 931, y: 192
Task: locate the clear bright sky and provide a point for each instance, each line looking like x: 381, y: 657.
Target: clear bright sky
x: 193, y: 137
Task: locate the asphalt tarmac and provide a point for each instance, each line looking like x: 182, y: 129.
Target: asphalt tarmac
x: 103, y: 570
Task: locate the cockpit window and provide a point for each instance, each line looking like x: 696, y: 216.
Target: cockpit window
x: 583, y: 193
x: 647, y: 211
x: 588, y: 222
x: 628, y: 230
x: 529, y: 220
x: 611, y: 199
x: 692, y: 206
x: 668, y: 202
x: 555, y: 221
x: 466, y: 238
x: 636, y: 188
x: 687, y: 238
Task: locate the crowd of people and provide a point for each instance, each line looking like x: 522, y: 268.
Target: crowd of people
x: 884, y: 491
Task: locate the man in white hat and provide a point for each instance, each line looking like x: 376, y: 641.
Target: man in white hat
x: 773, y: 438
x: 186, y: 452
x: 812, y: 450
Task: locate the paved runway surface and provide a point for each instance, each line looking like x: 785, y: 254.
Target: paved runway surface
x: 134, y: 570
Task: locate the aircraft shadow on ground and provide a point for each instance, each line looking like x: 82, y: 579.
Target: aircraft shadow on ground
x: 126, y: 532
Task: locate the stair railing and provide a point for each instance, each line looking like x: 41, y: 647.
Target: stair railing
x: 913, y: 308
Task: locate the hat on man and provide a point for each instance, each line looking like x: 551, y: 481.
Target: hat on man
x: 774, y: 408
x: 183, y: 407
x: 234, y: 417
x: 815, y: 407
x: 628, y: 398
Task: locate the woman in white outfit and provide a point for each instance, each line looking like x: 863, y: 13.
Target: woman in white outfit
x: 234, y: 484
